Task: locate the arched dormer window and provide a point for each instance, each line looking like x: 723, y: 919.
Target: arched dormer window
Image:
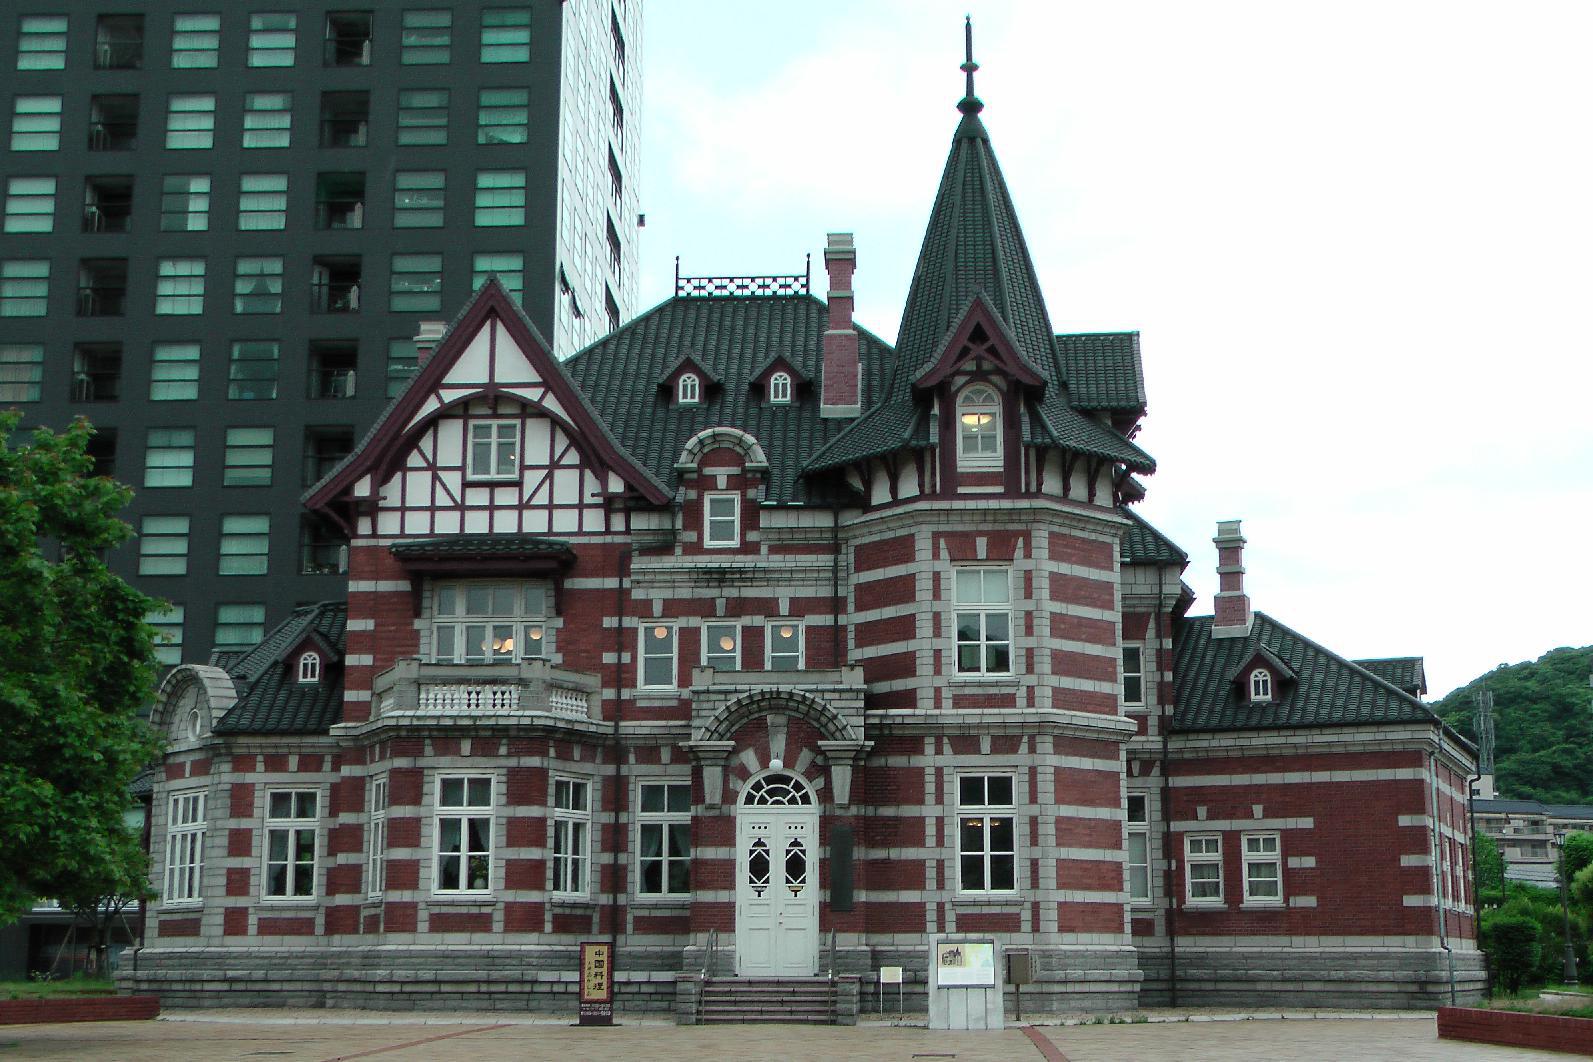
x: 194, y: 725
x: 780, y: 387
x: 979, y: 427
x: 688, y: 389
x: 310, y: 667
x: 1261, y: 684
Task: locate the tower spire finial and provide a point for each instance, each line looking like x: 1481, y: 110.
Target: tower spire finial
x: 969, y: 104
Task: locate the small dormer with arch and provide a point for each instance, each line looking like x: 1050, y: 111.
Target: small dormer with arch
x: 688, y: 382
x: 777, y: 382
x: 722, y: 475
x: 1263, y: 679
x: 311, y: 661
x: 189, y: 703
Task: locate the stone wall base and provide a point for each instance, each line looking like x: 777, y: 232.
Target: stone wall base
x: 1310, y: 977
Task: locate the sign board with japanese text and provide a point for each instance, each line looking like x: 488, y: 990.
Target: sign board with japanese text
x: 597, y: 984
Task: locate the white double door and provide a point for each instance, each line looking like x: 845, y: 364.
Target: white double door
x: 777, y: 892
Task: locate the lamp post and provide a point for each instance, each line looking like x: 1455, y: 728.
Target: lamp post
x: 1565, y: 910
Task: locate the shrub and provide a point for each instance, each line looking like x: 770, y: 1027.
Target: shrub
x: 1513, y: 946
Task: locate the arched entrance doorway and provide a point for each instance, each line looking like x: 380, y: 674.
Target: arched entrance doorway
x: 777, y: 877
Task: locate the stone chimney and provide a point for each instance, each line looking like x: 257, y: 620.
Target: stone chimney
x: 842, y: 383
x: 1233, y: 618
x: 427, y: 333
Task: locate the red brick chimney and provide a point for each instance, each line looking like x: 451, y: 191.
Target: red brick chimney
x: 1232, y: 618
x: 842, y: 383
x: 427, y: 333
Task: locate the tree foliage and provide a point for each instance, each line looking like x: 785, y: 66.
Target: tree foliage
x: 1490, y: 863
x: 76, y: 664
x: 1578, y: 853
x: 1513, y: 947
x: 1543, y: 725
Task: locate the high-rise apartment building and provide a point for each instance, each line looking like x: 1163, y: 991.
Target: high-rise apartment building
x: 224, y: 224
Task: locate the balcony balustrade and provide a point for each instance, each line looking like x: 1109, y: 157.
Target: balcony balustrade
x: 420, y: 691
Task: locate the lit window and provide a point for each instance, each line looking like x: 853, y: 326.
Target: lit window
x: 169, y: 458
x: 180, y: 286
x: 41, y: 42
x: 267, y: 119
x: 780, y: 388
x: 185, y: 203
x: 239, y: 626
x: 1133, y: 675
x: 783, y: 643
x: 262, y: 201
x: 168, y: 624
x: 252, y: 374
x: 984, y: 621
x: 423, y: 117
x: 24, y: 288
x: 185, y: 846
x: 257, y: 286
x: 272, y: 38
x: 1263, y: 869
x: 248, y: 457
x: 1203, y: 867
x: 419, y: 197
x: 415, y: 282
x: 987, y: 836
x: 245, y: 544
x: 36, y: 123
x: 658, y: 656
x: 425, y: 37
x: 978, y: 428
x: 30, y: 204
x: 494, y: 449
x: 1138, y: 849
x: 1261, y: 684
x: 376, y: 850
x: 191, y: 122
x: 310, y: 667
x: 506, y: 35
x: 163, y: 545
x: 663, y: 839
x: 463, y: 834
x: 508, y: 267
x: 500, y: 198
x: 721, y: 646
x: 195, y: 41
x: 688, y: 390
x: 502, y: 115
x: 174, y: 372
x: 292, y: 820
x: 572, y: 821
x: 722, y: 520
x: 485, y: 623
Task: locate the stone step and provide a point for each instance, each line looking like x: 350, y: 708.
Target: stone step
x: 790, y: 1001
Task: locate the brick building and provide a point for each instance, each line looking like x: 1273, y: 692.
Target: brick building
x: 767, y: 650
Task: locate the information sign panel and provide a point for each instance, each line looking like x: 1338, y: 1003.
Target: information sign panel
x: 597, y: 983
x: 966, y: 963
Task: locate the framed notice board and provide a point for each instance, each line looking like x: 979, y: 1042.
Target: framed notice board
x: 965, y: 963
x: 597, y: 983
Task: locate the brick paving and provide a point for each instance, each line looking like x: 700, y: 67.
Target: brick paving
x: 319, y: 1036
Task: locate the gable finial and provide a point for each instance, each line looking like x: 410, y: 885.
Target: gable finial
x: 969, y: 104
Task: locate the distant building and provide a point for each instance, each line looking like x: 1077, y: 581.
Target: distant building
x: 1524, y: 830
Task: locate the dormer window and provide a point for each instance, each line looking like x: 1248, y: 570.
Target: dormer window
x: 780, y: 388
x: 1260, y: 685
x: 494, y: 449
x: 688, y: 390
x: 194, y: 725
x: 979, y: 428
x: 310, y: 667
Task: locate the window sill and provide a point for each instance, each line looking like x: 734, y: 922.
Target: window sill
x: 657, y: 698
x: 987, y: 899
x: 490, y: 481
x: 281, y: 903
x: 475, y: 899
x: 1264, y: 905
x: 1008, y: 681
x: 674, y: 901
x: 573, y: 902
x: 181, y: 906
x: 1204, y: 905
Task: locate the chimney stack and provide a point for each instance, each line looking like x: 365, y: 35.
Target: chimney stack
x: 1232, y: 618
x: 427, y: 333
x: 841, y: 386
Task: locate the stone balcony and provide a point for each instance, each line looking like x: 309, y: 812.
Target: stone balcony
x: 413, y: 690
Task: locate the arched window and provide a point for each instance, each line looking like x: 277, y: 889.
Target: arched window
x: 1261, y: 684
x: 689, y: 389
x: 310, y: 667
x: 979, y: 427
x: 195, y: 725
x: 780, y: 387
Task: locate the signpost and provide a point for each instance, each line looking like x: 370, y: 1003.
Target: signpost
x: 597, y: 983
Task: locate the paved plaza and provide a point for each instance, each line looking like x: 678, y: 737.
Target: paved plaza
x: 321, y: 1036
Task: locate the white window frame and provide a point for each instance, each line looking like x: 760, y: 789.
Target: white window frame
x: 497, y: 435
x: 1132, y: 681
x: 518, y: 631
x: 185, y: 849
x: 721, y: 530
x: 1259, y: 858
x: 310, y: 667
x: 570, y: 848
x: 987, y: 815
x: 978, y: 448
x: 292, y: 827
x: 772, y: 658
x: 1202, y: 850
x: 1261, y: 685
x: 463, y: 812
x: 665, y: 823
x: 1137, y: 814
x: 688, y: 390
x: 648, y: 632
x: 713, y: 651
x: 780, y: 389
x: 981, y: 612
x: 376, y: 840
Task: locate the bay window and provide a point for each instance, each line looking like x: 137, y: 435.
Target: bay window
x: 487, y: 623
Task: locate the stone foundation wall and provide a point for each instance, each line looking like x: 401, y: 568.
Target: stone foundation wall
x: 1311, y: 977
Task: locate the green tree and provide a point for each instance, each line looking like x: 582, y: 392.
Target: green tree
x: 76, y: 663
x: 1578, y: 853
x: 1513, y: 946
x: 1490, y: 864
x: 1582, y: 891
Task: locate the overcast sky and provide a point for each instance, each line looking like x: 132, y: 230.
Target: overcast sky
x: 1357, y: 239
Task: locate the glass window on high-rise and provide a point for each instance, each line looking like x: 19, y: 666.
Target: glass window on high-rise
x: 185, y: 203
x: 36, y: 123
x: 426, y: 37
x: 262, y: 201
x: 252, y: 375
x: 502, y: 116
x: 500, y: 198
x: 169, y: 457
x: 272, y: 38
x: 267, y: 119
x: 423, y: 117
x: 257, y: 285
x: 416, y: 283
x: 30, y: 204
x: 24, y: 287
x: 195, y: 41
x: 239, y: 626
x: 21, y: 372
x: 245, y: 544
x: 174, y: 372
x: 506, y: 35
x: 163, y: 545
x: 191, y: 121
x: 247, y: 461
x: 168, y: 624
x: 418, y: 199
x: 507, y: 266
x: 402, y: 364
x: 180, y: 286
x: 41, y: 42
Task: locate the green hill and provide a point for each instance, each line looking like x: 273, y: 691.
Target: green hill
x: 1543, y: 725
